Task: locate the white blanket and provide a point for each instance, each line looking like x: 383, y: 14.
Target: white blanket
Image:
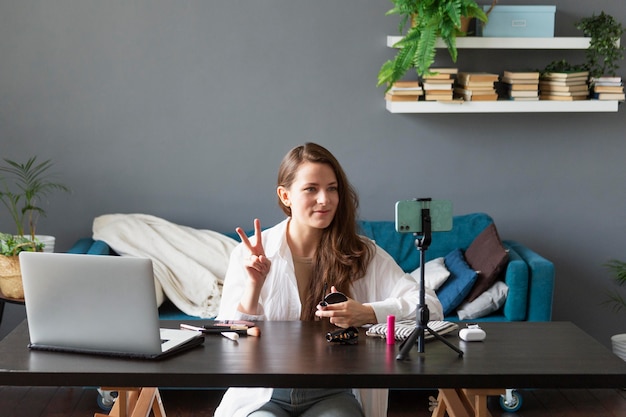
x: 189, y: 264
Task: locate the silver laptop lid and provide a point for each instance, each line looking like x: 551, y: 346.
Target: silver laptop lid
x: 91, y: 302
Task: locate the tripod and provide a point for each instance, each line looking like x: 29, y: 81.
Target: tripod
x: 422, y: 315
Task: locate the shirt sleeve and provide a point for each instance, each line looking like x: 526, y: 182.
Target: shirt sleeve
x: 391, y: 291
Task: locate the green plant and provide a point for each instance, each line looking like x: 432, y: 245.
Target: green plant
x: 618, y: 270
x: 11, y: 245
x: 603, y: 52
x: 24, y: 185
x: 427, y: 20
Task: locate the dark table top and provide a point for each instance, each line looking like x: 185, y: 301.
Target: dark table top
x: 296, y: 354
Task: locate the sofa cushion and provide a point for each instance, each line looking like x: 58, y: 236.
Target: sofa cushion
x: 488, y: 257
x: 435, y: 273
x: 462, y: 278
x: 486, y: 303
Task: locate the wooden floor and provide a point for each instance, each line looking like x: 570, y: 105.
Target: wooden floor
x: 82, y: 402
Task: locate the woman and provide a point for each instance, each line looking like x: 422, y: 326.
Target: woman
x: 283, y: 273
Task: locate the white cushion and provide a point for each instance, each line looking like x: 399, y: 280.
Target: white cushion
x: 486, y: 303
x: 435, y: 273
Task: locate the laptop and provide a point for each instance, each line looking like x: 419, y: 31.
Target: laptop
x: 96, y: 304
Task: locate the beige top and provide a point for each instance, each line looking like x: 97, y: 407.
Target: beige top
x: 303, y: 268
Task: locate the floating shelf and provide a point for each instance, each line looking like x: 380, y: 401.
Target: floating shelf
x: 506, y: 106
x: 477, y: 42
x: 503, y: 106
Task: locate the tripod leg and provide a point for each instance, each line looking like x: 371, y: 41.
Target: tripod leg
x: 406, y: 346
x: 443, y: 339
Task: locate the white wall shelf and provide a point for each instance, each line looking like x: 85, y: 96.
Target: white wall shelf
x: 503, y: 106
x: 477, y: 42
x: 506, y: 106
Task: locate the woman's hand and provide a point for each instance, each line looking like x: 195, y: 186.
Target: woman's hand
x: 348, y: 313
x: 257, y: 265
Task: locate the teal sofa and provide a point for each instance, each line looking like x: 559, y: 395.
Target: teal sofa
x: 529, y: 276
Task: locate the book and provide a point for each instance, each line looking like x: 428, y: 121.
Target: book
x: 466, y: 77
x: 565, y: 93
x: 481, y: 97
x: 476, y: 84
x: 521, y: 76
x: 438, y: 77
x: 437, y: 86
x: 438, y: 97
x: 606, y: 79
x: 407, y: 92
x: 479, y: 92
x: 607, y: 83
x: 438, y: 92
x: 518, y: 82
x: 565, y: 75
x: 524, y: 98
x: 573, y: 81
x: 544, y: 86
x: 561, y: 98
x: 608, y: 89
x: 520, y: 87
x: 397, y: 97
x: 609, y: 96
x: 406, y: 88
x: 443, y: 72
x: 438, y: 80
x: 524, y: 93
x: 405, y: 84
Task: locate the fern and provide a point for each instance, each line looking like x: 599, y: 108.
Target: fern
x: 428, y: 20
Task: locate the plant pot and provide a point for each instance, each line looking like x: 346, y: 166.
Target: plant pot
x: 48, y: 242
x: 11, y: 277
x: 618, y: 343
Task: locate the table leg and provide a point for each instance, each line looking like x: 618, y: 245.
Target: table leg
x: 135, y: 402
x: 449, y: 401
x: 464, y: 402
x: 479, y: 403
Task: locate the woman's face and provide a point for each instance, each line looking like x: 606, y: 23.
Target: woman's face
x: 313, y: 196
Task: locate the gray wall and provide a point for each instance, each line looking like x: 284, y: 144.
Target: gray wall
x: 183, y: 109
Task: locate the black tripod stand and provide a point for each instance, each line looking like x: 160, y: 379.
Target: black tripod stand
x: 422, y: 315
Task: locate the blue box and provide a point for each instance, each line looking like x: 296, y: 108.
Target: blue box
x: 518, y: 22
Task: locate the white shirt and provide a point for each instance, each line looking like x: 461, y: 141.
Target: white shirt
x: 385, y: 287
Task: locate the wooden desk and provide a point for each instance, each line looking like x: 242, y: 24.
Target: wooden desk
x: 296, y: 354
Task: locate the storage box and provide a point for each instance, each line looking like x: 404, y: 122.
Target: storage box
x: 518, y: 21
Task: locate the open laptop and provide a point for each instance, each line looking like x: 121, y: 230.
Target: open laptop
x: 96, y: 304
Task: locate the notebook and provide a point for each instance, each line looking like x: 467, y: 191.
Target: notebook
x: 96, y: 304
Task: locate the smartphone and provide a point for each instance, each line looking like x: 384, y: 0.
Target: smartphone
x: 409, y: 215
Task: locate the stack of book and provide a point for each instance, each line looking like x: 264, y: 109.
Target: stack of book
x: 520, y: 86
x: 564, y: 86
x: 607, y: 88
x: 405, y: 91
x: 476, y: 86
x: 438, y: 85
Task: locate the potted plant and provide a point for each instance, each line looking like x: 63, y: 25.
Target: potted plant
x: 604, y: 50
x: 603, y: 53
x: 426, y: 21
x: 22, y: 189
x: 617, y: 302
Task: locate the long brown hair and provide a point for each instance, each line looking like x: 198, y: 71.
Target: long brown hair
x: 342, y: 256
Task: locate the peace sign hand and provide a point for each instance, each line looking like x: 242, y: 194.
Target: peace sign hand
x: 257, y: 264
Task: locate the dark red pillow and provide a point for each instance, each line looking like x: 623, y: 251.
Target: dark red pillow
x: 488, y: 257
